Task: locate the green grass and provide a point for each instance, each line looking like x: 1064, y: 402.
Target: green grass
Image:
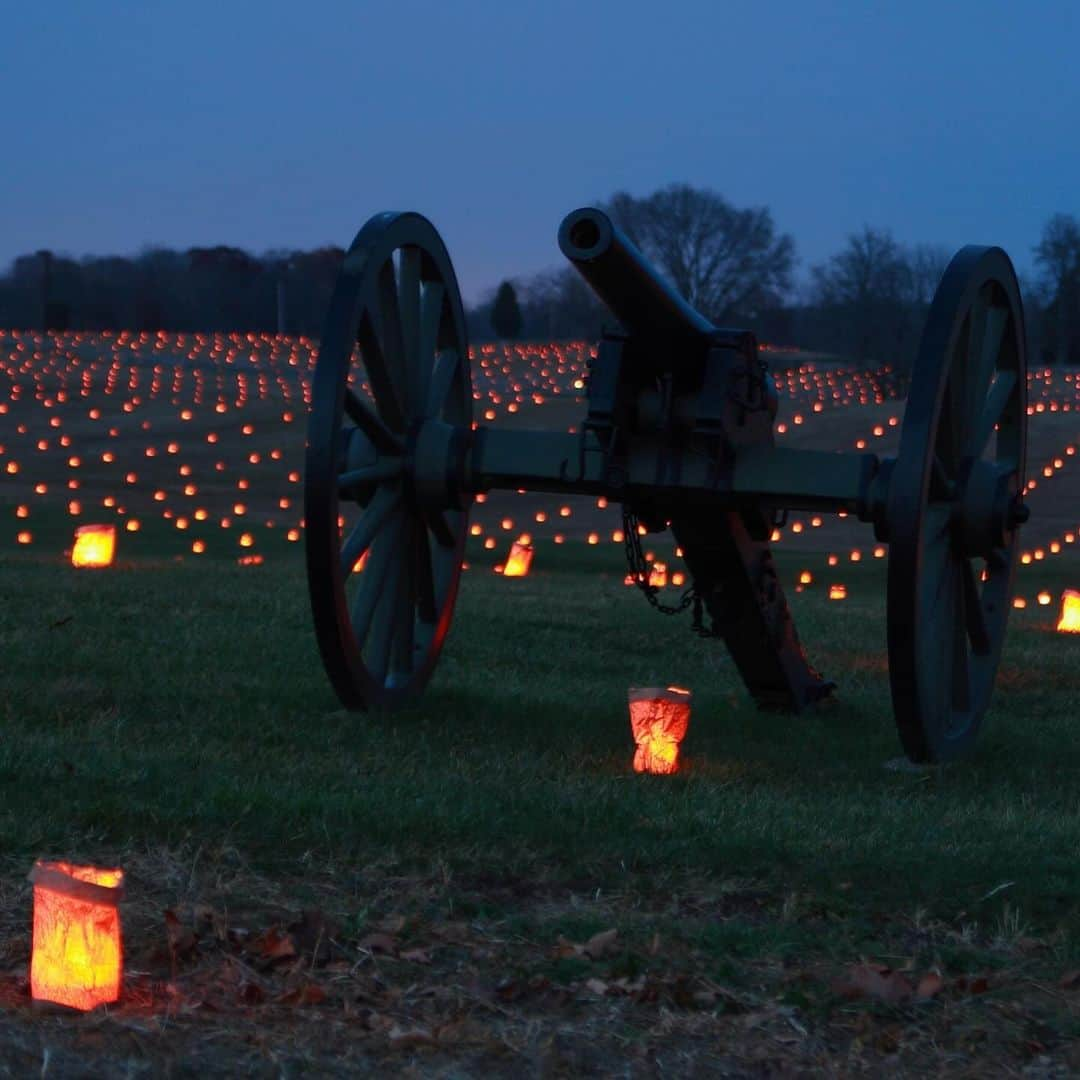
x: 177, y: 704
x: 174, y: 716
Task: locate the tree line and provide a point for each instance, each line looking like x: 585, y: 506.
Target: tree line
x: 202, y: 289
x: 866, y: 303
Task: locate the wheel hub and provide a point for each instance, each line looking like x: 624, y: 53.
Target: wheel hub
x: 987, y: 510
x: 435, y: 465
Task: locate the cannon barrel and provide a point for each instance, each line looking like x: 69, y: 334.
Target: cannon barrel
x: 623, y: 278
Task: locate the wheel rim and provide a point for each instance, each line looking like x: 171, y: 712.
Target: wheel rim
x: 395, y: 328
x: 953, y: 506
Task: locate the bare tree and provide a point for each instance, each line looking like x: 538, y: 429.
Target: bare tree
x: 926, y: 264
x: 1058, y: 257
x: 726, y: 261
x: 866, y: 292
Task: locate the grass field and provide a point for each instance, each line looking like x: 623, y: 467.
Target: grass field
x: 436, y: 891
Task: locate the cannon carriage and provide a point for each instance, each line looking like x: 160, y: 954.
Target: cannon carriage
x: 679, y: 428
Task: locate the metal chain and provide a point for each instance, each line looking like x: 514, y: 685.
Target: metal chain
x: 640, y: 569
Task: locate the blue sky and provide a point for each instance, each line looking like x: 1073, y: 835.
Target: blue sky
x: 276, y: 124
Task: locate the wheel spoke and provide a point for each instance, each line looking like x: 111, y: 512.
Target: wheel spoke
x: 982, y: 362
x: 440, y: 528
x: 997, y: 401
x: 430, y: 317
x: 409, y: 313
x: 370, y: 424
x: 442, y: 379
x: 967, y: 370
x: 941, y: 485
x: 961, y: 667
x: 371, y: 521
x: 385, y: 363
x: 401, y: 657
x: 385, y: 469
x: 377, y: 658
x: 425, y: 579
x: 376, y: 575
x: 974, y: 616
x: 939, y: 519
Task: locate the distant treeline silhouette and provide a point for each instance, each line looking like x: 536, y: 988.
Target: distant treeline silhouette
x: 217, y: 288
x: 866, y: 304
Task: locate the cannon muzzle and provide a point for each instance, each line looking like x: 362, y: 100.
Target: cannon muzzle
x: 622, y: 277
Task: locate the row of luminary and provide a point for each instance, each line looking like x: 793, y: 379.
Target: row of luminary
x: 246, y: 539
x: 534, y: 370
x: 183, y: 520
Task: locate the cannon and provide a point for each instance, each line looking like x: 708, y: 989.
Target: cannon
x: 679, y: 429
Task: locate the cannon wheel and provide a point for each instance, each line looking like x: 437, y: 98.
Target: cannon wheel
x: 949, y: 596
x: 395, y: 328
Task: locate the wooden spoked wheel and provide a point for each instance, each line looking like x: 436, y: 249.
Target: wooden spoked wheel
x: 384, y: 544
x: 954, y: 506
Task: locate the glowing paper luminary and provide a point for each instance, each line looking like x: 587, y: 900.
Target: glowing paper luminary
x: 659, y: 718
x: 95, y: 546
x: 77, y: 957
x: 519, y: 560
x: 1069, y: 623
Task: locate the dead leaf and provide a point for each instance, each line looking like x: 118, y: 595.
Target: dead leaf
x: 400, y: 1036
x: 601, y: 945
x: 251, y: 993
x: 457, y: 932
x: 308, y: 994
x: 274, y: 944
x: 930, y: 985
x: 379, y: 943
x: 1070, y: 980
x: 978, y: 984
x: 1030, y: 944
x: 875, y: 981
x: 417, y: 956
x: 564, y: 948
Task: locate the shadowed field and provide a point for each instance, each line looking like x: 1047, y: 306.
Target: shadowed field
x: 437, y: 890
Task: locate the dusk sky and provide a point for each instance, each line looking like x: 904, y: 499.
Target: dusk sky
x: 286, y: 124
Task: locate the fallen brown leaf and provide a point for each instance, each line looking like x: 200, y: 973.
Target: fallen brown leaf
x: 930, y: 985
x: 400, y: 1036
x: 875, y: 981
x: 274, y: 944
x: 308, y: 994
x: 1070, y: 980
x: 563, y: 948
x: 251, y: 993
x: 978, y: 984
x: 379, y: 943
x: 601, y: 944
